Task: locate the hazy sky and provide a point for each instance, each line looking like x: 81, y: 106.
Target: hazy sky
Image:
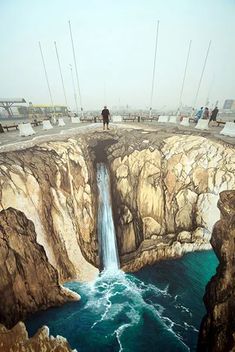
x: 114, y: 43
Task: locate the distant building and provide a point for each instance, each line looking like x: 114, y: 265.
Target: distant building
x: 7, y: 105
x: 47, y: 110
x: 229, y: 104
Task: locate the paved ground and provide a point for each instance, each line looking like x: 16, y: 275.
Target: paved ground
x: 11, y: 140
x: 12, y: 137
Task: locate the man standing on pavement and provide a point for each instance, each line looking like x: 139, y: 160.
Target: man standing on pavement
x: 214, y: 114
x: 105, y: 114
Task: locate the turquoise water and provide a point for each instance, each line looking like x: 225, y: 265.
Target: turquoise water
x: 157, y: 309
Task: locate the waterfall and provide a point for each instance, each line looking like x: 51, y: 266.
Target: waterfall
x: 106, y: 230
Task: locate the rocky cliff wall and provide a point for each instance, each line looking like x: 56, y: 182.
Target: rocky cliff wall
x: 17, y: 340
x: 165, y: 192
x: 217, y: 333
x: 51, y: 185
x: 28, y: 282
x: 165, y: 189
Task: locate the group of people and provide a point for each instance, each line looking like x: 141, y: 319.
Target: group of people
x: 205, y: 114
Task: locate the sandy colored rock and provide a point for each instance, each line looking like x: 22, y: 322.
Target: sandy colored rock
x: 176, y: 183
x: 172, y: 189
x: 201, y: 234
x: 184, y: 236
x: 126, y: 215
x: 17, y: 340
x: 217, y: 330
x: 28, y: 282
x: 151, y: 227
x: 49, y: 183
x: 186, y: 200
x: 207, y: 210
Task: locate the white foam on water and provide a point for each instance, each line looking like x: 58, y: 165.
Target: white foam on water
x: 133, y: 293
x: 190, y: 327
x: 115, y: 294
x: 134, y: 320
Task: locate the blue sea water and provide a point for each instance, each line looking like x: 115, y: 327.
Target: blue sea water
x: 157, y: 309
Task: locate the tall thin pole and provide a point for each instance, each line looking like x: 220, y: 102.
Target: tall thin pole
x: 105, y: 103
x: 75, y: 65
x: 185, y: 71
x: 46, y: 75
x: 203, y: 69
x: 154, y: 68
x: 209, y: 90
x: 74, y: 90
x: 61, y: 76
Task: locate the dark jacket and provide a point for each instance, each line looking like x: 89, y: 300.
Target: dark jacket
x: 105, y: 113
x: 214, y: 113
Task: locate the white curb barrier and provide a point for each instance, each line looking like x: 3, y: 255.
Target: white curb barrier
x: 75, y: 119
x: 61, y: 122
x: 173, y: 119
x: 163, y: 118
x: 26, y: 129
x: 229, y: 129
x: 116, y: 118
x: 202, y: 124
x: 46, y: 125
x: 185, y: 121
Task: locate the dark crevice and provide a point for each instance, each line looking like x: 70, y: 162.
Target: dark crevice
x: 99, y: 149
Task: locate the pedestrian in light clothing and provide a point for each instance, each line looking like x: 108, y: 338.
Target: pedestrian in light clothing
x: 206, y: 114
x: 105, y: 114
x: 199, y: 114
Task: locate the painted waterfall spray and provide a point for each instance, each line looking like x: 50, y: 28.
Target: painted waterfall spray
x: 106, y: 228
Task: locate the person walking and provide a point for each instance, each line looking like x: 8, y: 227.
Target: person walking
x: 205, y: 114
x: 214, y: 114
x: 199, y: 114
x: 105, y: 114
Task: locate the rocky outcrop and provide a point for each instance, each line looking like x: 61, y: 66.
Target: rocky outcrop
x: 165, y: 193
x: 17, y: 340
x: 217, y: 333
x: 164, y: 190
x: 28, y: 282
x: 51, y: 184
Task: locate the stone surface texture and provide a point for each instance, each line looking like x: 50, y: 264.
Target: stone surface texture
x: 17, y: 340
x: 28, y: 282
x: 50, y: 184
x: 166, y: 194
x: 217, y: 333
x: 165, y: 188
